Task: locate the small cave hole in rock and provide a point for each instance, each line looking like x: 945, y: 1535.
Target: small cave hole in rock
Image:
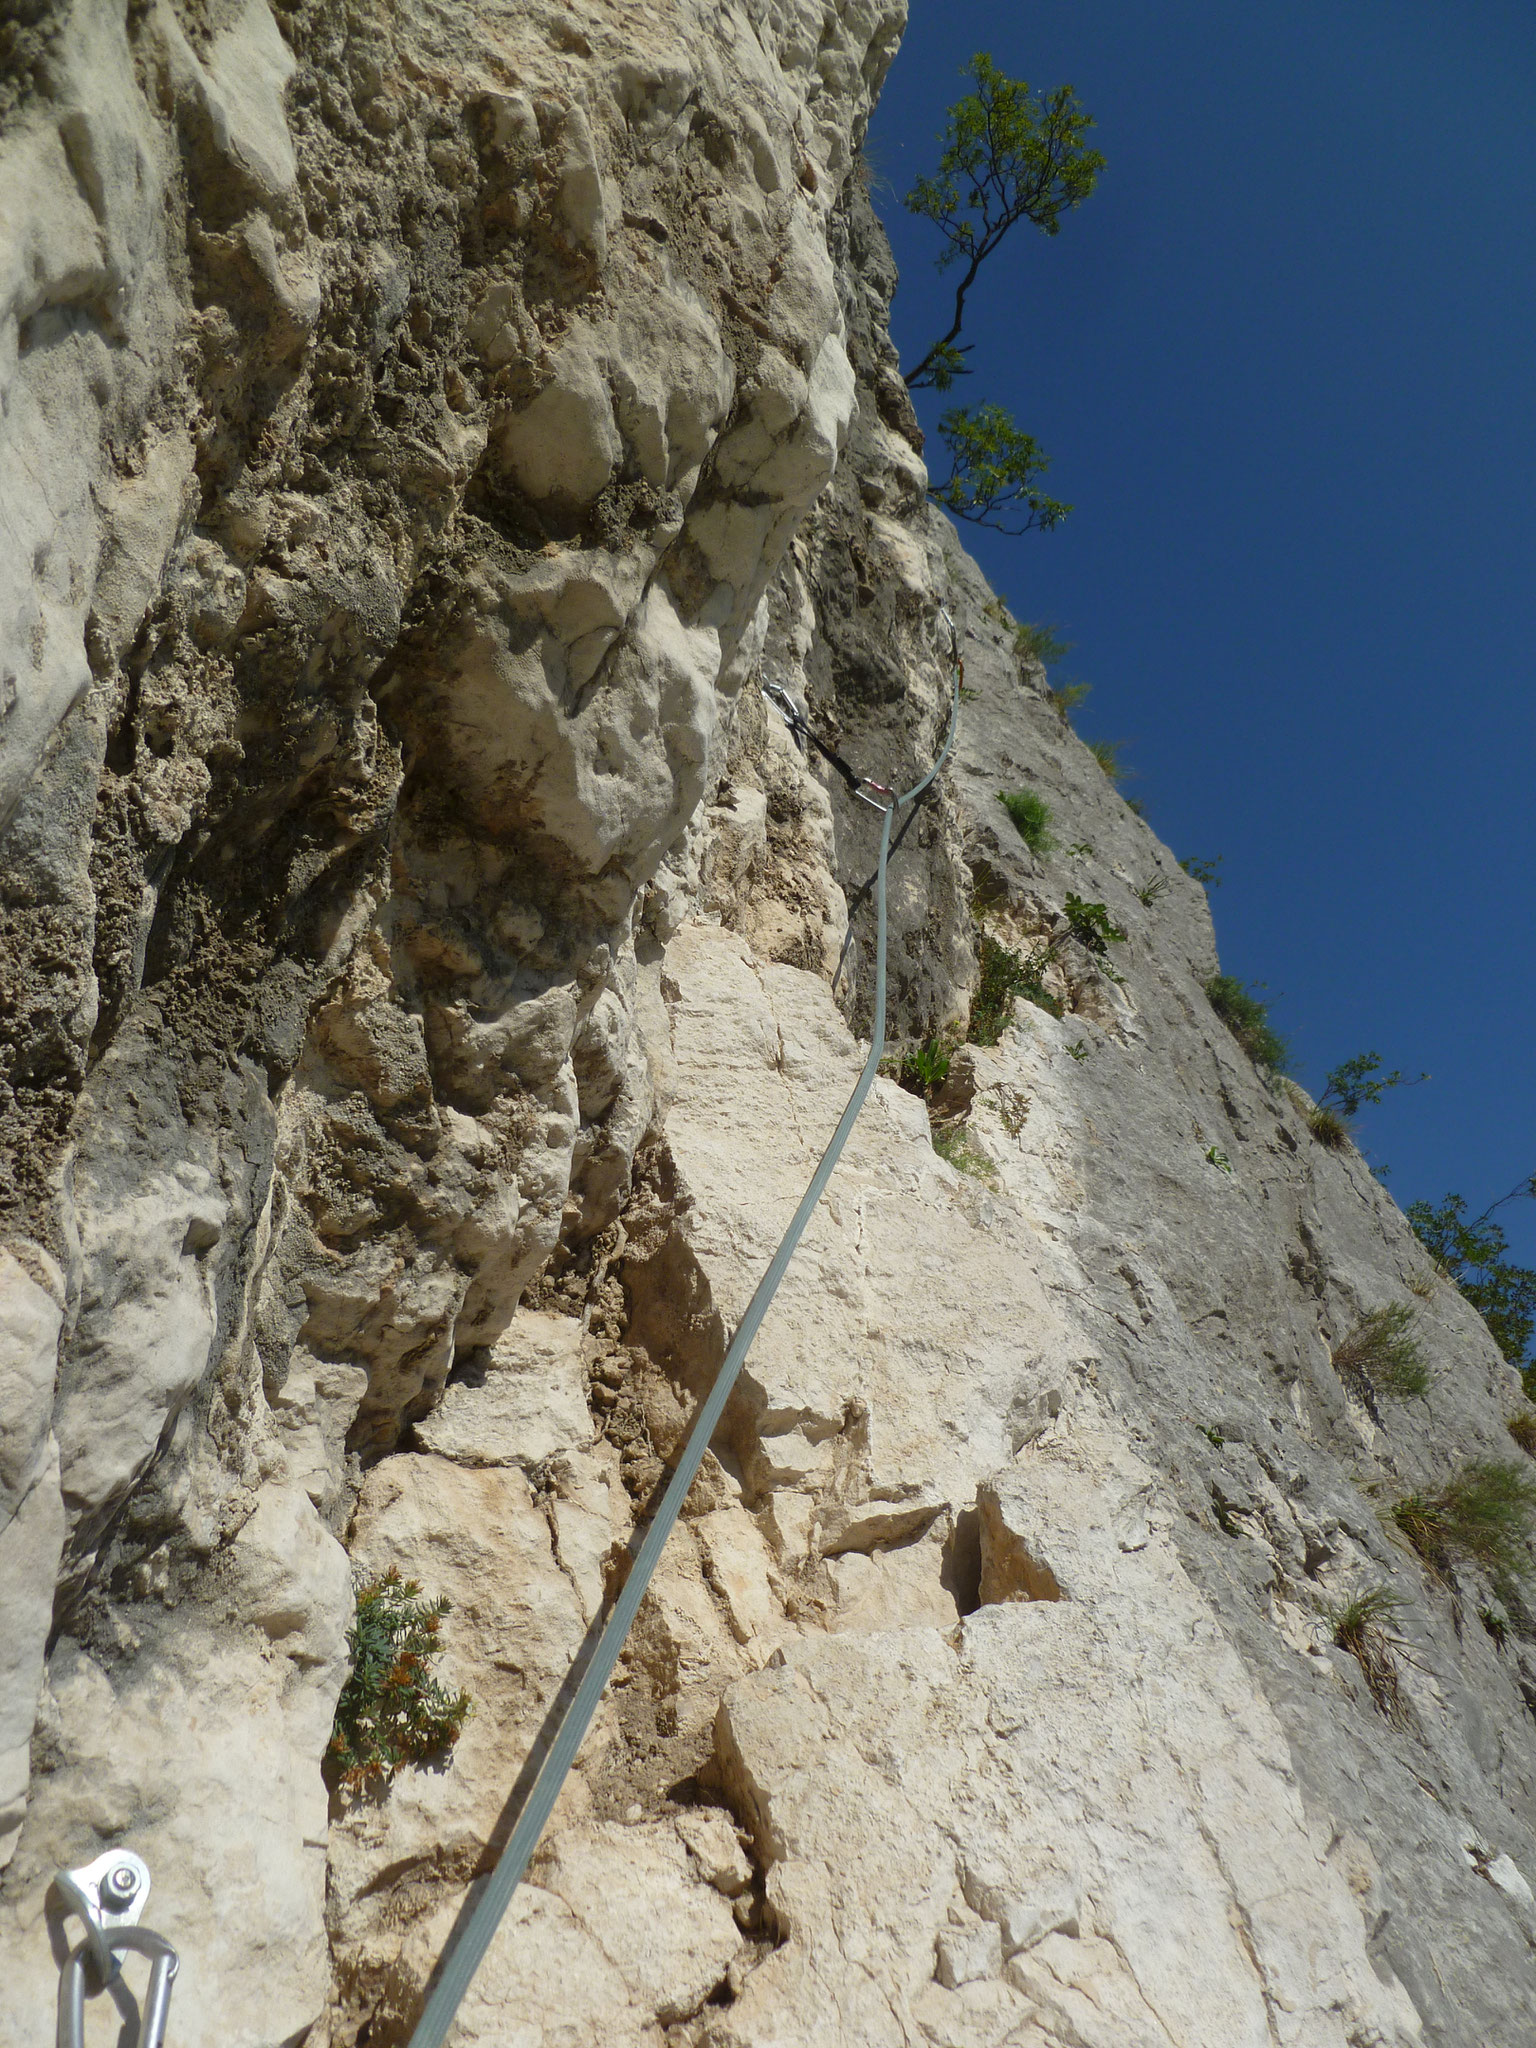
x: 960, y: 1575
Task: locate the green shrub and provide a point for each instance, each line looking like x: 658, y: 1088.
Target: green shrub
x: 1473, y: 1255
x: 1381, y: 1349
x: 1248, y: 1021
x: 1522, y: 1428
x: 1031, y: 815
x: 1484, y: 1513
x: 1363, y: 1627
x: 1092, y: 927
x: 392, y: 1712
x: 1003, y: 976
x: 1203, y: 871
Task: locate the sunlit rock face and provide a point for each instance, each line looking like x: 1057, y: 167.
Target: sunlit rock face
x: 430, y: 971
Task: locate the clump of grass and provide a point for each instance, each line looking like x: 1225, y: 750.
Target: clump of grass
x: 1003, y: 976
x: 1153, y: 887
x: 1328, y: 1127
x: 1522, y: 1428
x: 1031, y: 815
x: 1364, y: 1627
x: 1107, y: 754
x: 1248, y: 1021
x: 1422, y: 1284
x: 1065, y: 698
x: 1381, y: 1349
x: 392, y: 1711
x: 1043, y: 644
x: 1484, y: 1514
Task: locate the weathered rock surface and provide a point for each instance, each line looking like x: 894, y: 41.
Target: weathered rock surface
x: 426, y: 431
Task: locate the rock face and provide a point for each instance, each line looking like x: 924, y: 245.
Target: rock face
x: 431, y: 970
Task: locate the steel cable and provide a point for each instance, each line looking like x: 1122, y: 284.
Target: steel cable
x: 466, y: 1953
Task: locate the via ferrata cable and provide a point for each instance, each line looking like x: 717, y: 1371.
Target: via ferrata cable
x: 464, y: 1956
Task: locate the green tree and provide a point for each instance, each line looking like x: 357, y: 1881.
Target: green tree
x: 1473, y: 1253
x: 995, y: 471
x: 1009, y: 155
x: 1359, y: 1081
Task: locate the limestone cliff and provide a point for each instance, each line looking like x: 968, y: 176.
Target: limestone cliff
x: 426, y: 429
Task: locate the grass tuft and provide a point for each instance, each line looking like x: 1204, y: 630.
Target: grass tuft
x: 1045, y: 645
x: 1153, y: 887
x: 1328, y: 1127
x: 1364, y: 1627
x: 1483, y: 1514
x: 1031, y: 815
x: 1248, y: 1021
x: 1522, y: 1428
x: 1107, y: 754
x: 1381, y: 1349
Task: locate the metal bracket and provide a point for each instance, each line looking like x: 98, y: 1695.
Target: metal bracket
x: 108, y: 1896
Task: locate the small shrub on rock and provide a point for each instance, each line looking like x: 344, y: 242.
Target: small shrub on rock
x: 1382, y: 1349
x: 1522, y: 1428
x: 1031, y: 815
x: 1484, y: 1514
x: 1248, y: 1021
x: 392, y: 1712
x: 1003, y: 976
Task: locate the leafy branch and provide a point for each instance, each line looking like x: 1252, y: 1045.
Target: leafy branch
x: 1009, y: 155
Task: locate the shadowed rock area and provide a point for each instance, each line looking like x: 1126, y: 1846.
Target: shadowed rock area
x: 429, y: 971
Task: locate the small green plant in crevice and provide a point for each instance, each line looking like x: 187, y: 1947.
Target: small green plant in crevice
x: 1031, y: 815
x: 1215, y: 1158
x: 954, y: 1143
x: 392, y: 1711
x: 1474, y: 1255
x: 1203, y: 871
x: 1151, y: 889
x: 1081, y: 849
x: 1212, y: 1435
x: 1248, y: 1021
x: 923, y: 1069
x: 1364, y: 1627
x: 1382, y: 1350
x: 1078, y: 1051
x: 1484, y: 1514
x: 1064, y: 699
x: 1092, y: 926
x: 1496, y: 1622
x: 1003, y: 976
x: 1522, y: 1428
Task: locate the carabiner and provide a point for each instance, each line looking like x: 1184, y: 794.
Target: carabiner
x: 108, y: 1896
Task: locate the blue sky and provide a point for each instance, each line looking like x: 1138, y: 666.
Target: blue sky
x: 1284, y: 362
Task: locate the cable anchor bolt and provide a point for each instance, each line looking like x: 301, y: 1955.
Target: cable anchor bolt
x: 108, y: 1896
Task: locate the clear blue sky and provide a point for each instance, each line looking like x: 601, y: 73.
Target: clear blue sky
x: 1284, y: 362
